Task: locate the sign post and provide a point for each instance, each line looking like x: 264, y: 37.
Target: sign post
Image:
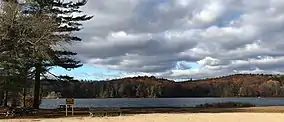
x: 69, y: 102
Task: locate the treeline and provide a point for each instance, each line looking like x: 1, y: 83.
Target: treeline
x: 238, y: 85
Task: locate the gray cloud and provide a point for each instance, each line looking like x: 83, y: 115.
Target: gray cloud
x: 184, y: 38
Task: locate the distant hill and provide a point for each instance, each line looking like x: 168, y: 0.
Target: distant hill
x: 142, y: 79
x: 238, y: 85
x: 234, y: 79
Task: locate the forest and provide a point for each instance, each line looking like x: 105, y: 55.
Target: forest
x: 237, y: 85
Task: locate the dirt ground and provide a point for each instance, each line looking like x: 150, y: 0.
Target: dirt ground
x: 172, y: 117
x: 83, y: 112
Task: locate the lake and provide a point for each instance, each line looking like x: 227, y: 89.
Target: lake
x: 159, y: 102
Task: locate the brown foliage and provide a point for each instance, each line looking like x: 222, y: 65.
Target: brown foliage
x: 238, y: 85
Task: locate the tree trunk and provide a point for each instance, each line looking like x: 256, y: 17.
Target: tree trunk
x: 24, y: 99
x: 6, y: 99
x: 2, y: 97
x: 37, y: 86
x: 14, y: 100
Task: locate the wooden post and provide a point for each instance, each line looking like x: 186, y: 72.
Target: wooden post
x: 69, y: 102
x: 66, y: 109
x: 72, y: 110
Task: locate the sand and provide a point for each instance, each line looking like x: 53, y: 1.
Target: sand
x: 190, y: 117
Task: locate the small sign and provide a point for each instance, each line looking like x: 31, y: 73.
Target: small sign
x: 70, y: 101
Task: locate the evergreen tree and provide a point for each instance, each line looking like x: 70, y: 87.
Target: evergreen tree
x: 67, y: 23
x: 24, y: 38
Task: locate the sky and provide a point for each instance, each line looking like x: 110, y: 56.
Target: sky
x: 180, y: 39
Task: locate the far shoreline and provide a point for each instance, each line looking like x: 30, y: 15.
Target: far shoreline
x: 157, y: 97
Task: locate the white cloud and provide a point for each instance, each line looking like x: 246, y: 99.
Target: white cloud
x: 209, y: 13
x: 154, y: 37
x: 208, y: 61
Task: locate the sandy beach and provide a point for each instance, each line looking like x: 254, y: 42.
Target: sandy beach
x: 190, y: 117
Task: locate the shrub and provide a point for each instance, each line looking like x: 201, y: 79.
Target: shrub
x: 225, y: 105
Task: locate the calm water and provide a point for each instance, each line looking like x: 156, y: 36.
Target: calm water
x: 159, y: 102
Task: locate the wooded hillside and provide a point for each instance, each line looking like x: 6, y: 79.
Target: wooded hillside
x: 238, y: 85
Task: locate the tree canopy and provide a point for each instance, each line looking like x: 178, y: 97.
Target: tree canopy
x: 32, y: 38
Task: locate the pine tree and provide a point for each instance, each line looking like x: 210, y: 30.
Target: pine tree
x: 66, y: 23
x: 24, y: 38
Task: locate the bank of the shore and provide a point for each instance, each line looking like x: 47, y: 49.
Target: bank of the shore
x: 83, y: 112
x: 178, y: 117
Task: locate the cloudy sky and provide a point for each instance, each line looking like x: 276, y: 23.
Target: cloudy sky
x: 180, y: 39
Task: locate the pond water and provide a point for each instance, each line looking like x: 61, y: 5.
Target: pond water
x: 159, y: 102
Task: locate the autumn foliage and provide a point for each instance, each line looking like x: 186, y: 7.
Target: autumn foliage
x: 238, y: 85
